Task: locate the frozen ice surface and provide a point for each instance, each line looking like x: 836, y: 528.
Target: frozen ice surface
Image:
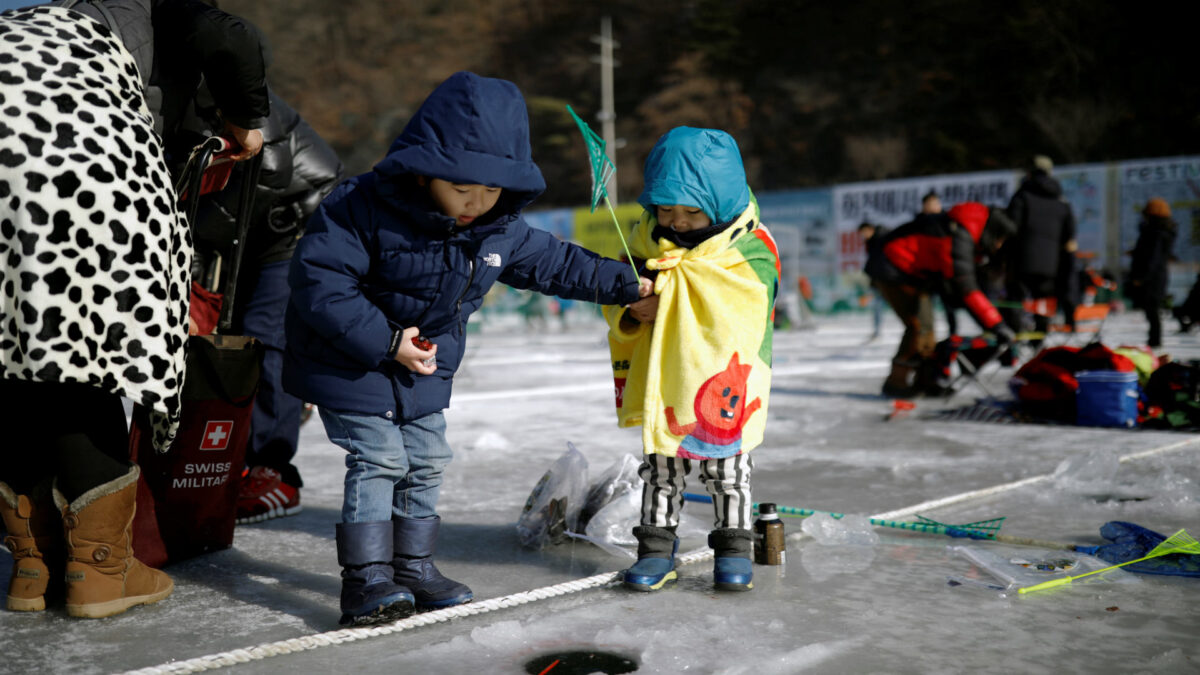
x: 850, y: 529
x: 837, y: 608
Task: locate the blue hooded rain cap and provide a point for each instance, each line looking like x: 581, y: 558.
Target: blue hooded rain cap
x: 700, y: 168
x: 472, y: 130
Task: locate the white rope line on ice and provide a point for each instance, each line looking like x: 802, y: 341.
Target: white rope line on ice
x: 1005, y: 487
x: 345, y: 635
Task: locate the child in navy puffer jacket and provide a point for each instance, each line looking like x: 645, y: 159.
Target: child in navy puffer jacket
x: 408, y: 251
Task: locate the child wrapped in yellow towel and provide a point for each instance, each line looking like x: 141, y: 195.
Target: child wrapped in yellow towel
x: 692, y: 363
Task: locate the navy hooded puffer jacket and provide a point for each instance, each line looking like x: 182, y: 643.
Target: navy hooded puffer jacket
x: 379, y: 256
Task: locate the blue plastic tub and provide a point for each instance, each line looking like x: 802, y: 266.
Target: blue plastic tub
x: 1107, y: 398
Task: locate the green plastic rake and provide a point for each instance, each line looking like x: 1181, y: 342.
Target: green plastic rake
x: 982, y: 529
x: 1180, y: 542
x: 602, y: 171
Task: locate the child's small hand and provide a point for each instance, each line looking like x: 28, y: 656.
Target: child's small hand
x: 644, y: 310
x: 645, y: 287
x: 409, y: 355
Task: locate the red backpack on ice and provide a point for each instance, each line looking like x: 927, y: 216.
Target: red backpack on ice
x: 1045, y: 386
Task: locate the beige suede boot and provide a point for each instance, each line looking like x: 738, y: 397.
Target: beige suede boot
x: 103, y: 577
x: 35, y: 539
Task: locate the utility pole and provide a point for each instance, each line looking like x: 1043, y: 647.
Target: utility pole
x: 607, y: 115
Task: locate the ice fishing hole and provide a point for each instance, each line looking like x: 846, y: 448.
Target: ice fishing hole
x: 580, y: 662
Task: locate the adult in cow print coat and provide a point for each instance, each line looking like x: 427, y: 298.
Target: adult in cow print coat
x: 93, y: 308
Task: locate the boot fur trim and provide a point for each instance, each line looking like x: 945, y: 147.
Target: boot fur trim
x: 9, y: 497
x: 103, y: 490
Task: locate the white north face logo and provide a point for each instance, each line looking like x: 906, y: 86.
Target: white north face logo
x: 492, y: 259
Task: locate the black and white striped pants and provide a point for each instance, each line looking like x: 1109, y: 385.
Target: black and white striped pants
x: 726, y: 480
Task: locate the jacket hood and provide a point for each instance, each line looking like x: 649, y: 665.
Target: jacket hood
x: 472, y: 130
x: 700, y: 168
x: 971, y: 215
x: 1042, y: 184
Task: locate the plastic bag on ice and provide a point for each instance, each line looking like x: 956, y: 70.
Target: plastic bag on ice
x: 554, y: 505
x: 618, y: 479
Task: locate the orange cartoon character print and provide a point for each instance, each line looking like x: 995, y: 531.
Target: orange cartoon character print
x: 721, y: 412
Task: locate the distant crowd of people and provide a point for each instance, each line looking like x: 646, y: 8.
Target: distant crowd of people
x: 975, y: 258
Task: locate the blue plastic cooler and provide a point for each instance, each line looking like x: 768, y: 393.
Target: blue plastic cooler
x: 1106, y: 398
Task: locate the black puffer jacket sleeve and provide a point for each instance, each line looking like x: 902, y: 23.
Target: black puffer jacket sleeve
x: 316, y: 169
x: 192, y: 38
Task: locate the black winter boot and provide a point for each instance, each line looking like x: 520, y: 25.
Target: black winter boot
x: 369, y: 595
x: 414, y: 544
x: 656, y: 559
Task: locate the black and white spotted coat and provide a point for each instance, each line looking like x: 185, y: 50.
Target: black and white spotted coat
x: 94, y: 256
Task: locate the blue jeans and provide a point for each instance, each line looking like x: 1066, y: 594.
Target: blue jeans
x: 391, y: 469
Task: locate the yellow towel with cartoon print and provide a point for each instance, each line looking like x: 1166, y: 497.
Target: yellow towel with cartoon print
x: 699, y: 377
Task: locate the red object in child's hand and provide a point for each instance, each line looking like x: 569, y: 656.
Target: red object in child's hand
x: 424, y: 343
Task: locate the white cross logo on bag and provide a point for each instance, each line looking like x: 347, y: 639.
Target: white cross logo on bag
x: 216, y: 435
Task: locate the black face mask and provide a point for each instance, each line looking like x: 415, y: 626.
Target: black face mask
x: 689, y: 239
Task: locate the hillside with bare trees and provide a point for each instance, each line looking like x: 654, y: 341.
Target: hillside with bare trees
x: 815, y: 92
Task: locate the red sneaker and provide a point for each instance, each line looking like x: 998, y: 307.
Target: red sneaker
x: 264, y: 496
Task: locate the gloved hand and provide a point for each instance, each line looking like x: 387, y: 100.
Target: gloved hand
x: 1004, y: 334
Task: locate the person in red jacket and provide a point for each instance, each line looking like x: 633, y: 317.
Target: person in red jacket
x: 935, y: 253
